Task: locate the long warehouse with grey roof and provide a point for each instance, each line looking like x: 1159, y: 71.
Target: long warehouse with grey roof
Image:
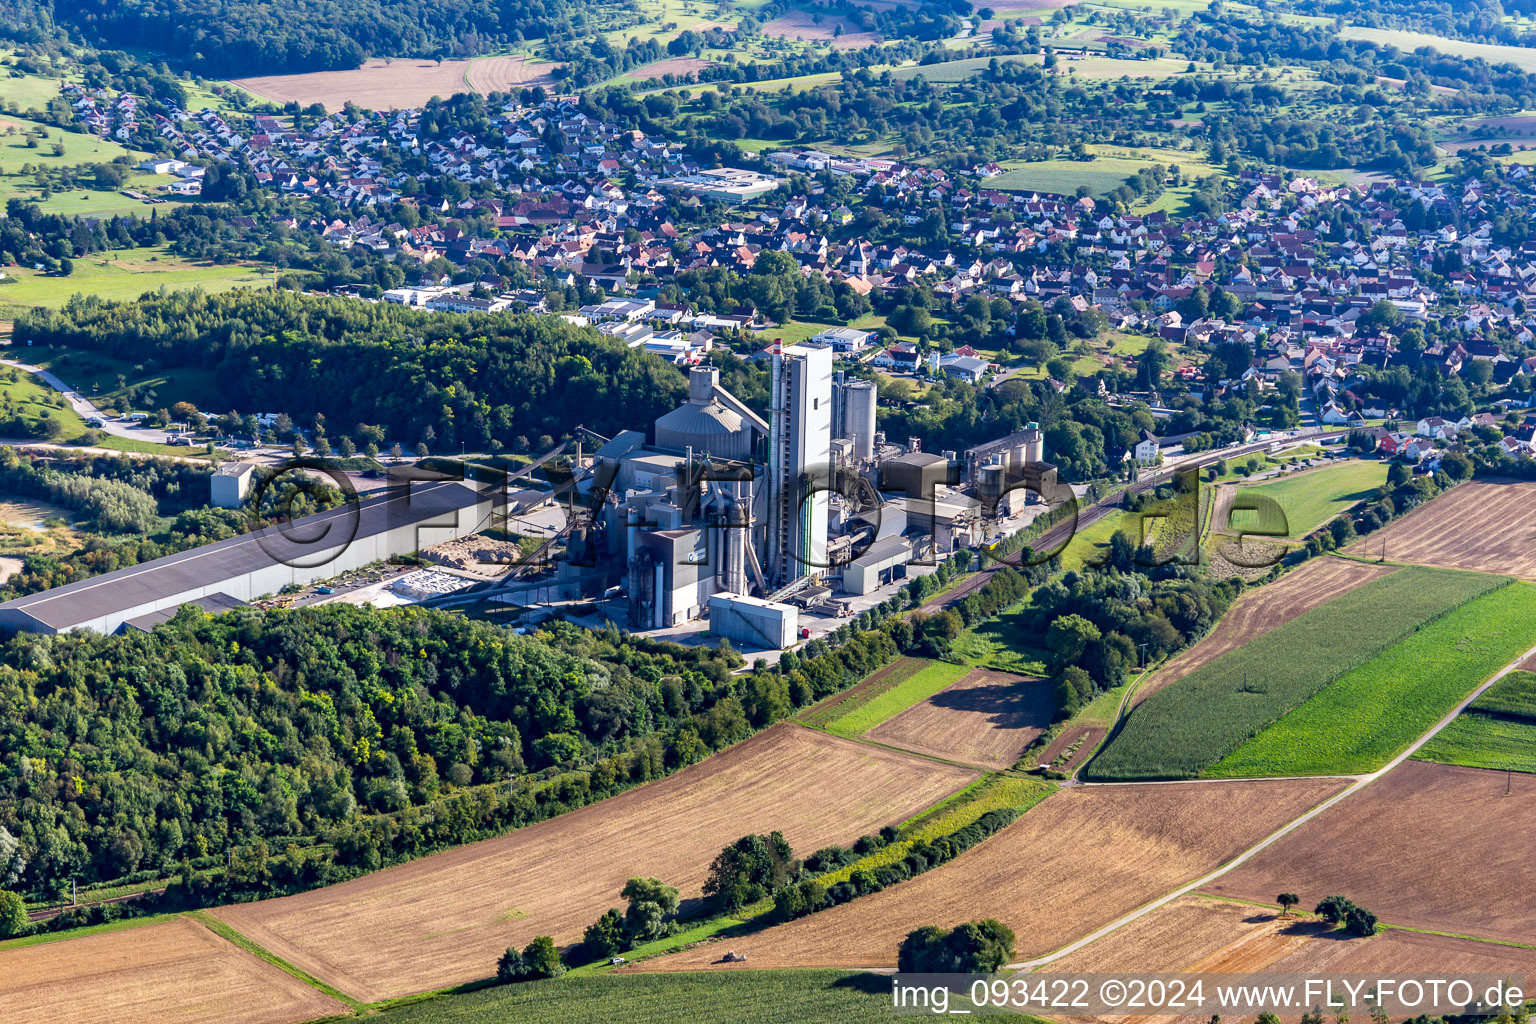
x: 399, y: 522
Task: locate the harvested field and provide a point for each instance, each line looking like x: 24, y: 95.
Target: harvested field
x: 1488, y: 526
x: 509, y: 74
x: 676, y: 66
x: 174, y: 970
x: 444, y: 919
x: 987, y: 718
x: 1262, y: 609
x: 409, y: 82
x: 809, y: 27
x: 1084, y: 738
x: 1074, y: 863
x: 1428, y: 846
x: 1204, y: 936
x: 1192, y: 934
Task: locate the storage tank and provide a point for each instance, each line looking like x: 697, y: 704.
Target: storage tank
x: 705, y: 424
x: 1034, y: 443
x: 859, y: 399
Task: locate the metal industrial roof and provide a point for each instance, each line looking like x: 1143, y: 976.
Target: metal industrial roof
x: 290, y: 543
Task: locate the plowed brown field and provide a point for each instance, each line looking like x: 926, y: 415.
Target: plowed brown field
x: 1076, y: 862
x: 1486, y: 525
x: 1262, y: 609
x: 807, y: 26
x: 1428, y: 846
x: 1086, y: 737
x: 987, y: 718
x: 175, y: 970
x: 444, y: 919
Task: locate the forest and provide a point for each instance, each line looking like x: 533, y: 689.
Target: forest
x: 289, y: 749
x: 233, y: 38
x: 486, y: 382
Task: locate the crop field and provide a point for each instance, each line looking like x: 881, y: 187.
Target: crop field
x: 1075, y: 745
x: 1514, y: 695
x: 125, y: 274
x: 1077, y: 861
x: 1312, y: 498
x: 1362, y: 719
x: 1264, y: 608
x: 1479, y: 740
x: 1487, y: 526
x: 1185, y: 727
x: 1520, y: 56
x: 678, y: 66
x: 444, y: 919
x: 171, y: 970
x: 987, y: 718
x: 407, y: 82
x: 1427, y: 846
x: 745, y: 997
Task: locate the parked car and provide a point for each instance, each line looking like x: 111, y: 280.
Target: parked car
x: 95, y: 421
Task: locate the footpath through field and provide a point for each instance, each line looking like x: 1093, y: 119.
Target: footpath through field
x: 1359, y: 783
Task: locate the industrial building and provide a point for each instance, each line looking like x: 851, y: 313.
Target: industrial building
x: 712, y: 511
x: 258, y: 563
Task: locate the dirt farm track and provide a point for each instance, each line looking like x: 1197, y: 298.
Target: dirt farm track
x: 1076, y: 862
x: 444, y: 919
x: 1488, y: 525
x: 174, y: 970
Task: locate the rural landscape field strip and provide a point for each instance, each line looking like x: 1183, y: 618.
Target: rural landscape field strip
x: 1497, y: 731
x: 1424, y: 846
x: 1311, y: 498
x: 746, y: 997
x: 820, y: 714
x: 914, y: 688
x: 171, y: 970
x: 987, y: 718
x: 1185, y: 727
x: 444, y: 919
x: 1261, y: 609
x: 1360, y: 720
x: 1488, y: 526
x: 1080, y: 859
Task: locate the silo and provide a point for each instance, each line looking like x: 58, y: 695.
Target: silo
x: 1034, y: 443
x: 859, y: 409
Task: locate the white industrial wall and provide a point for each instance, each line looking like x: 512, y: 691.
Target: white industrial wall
x: 402, y: 540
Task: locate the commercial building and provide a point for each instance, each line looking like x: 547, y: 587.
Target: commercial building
x: 886, y: 560
x: 399, y: 522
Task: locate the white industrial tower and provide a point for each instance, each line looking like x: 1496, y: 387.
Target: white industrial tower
x: 799, y: 459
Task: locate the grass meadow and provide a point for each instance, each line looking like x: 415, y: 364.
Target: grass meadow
x: 1364, y: 718
x: 927, y: 680
x: 1309, y: 499
x: 1181, y: 730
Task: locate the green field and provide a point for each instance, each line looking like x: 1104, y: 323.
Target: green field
x: 928, y: 679
x: 125, y: 274
x: 1309, y: 499
x: 734, y: 997
x: 1513, y: 695
x: 23, y: 395
x: 1477, y: 740
x: 1107, y: 171
x: 1364, y: 718
x: 1520, y: 56
x: 1087, y: 545
x: 1181, y: 730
